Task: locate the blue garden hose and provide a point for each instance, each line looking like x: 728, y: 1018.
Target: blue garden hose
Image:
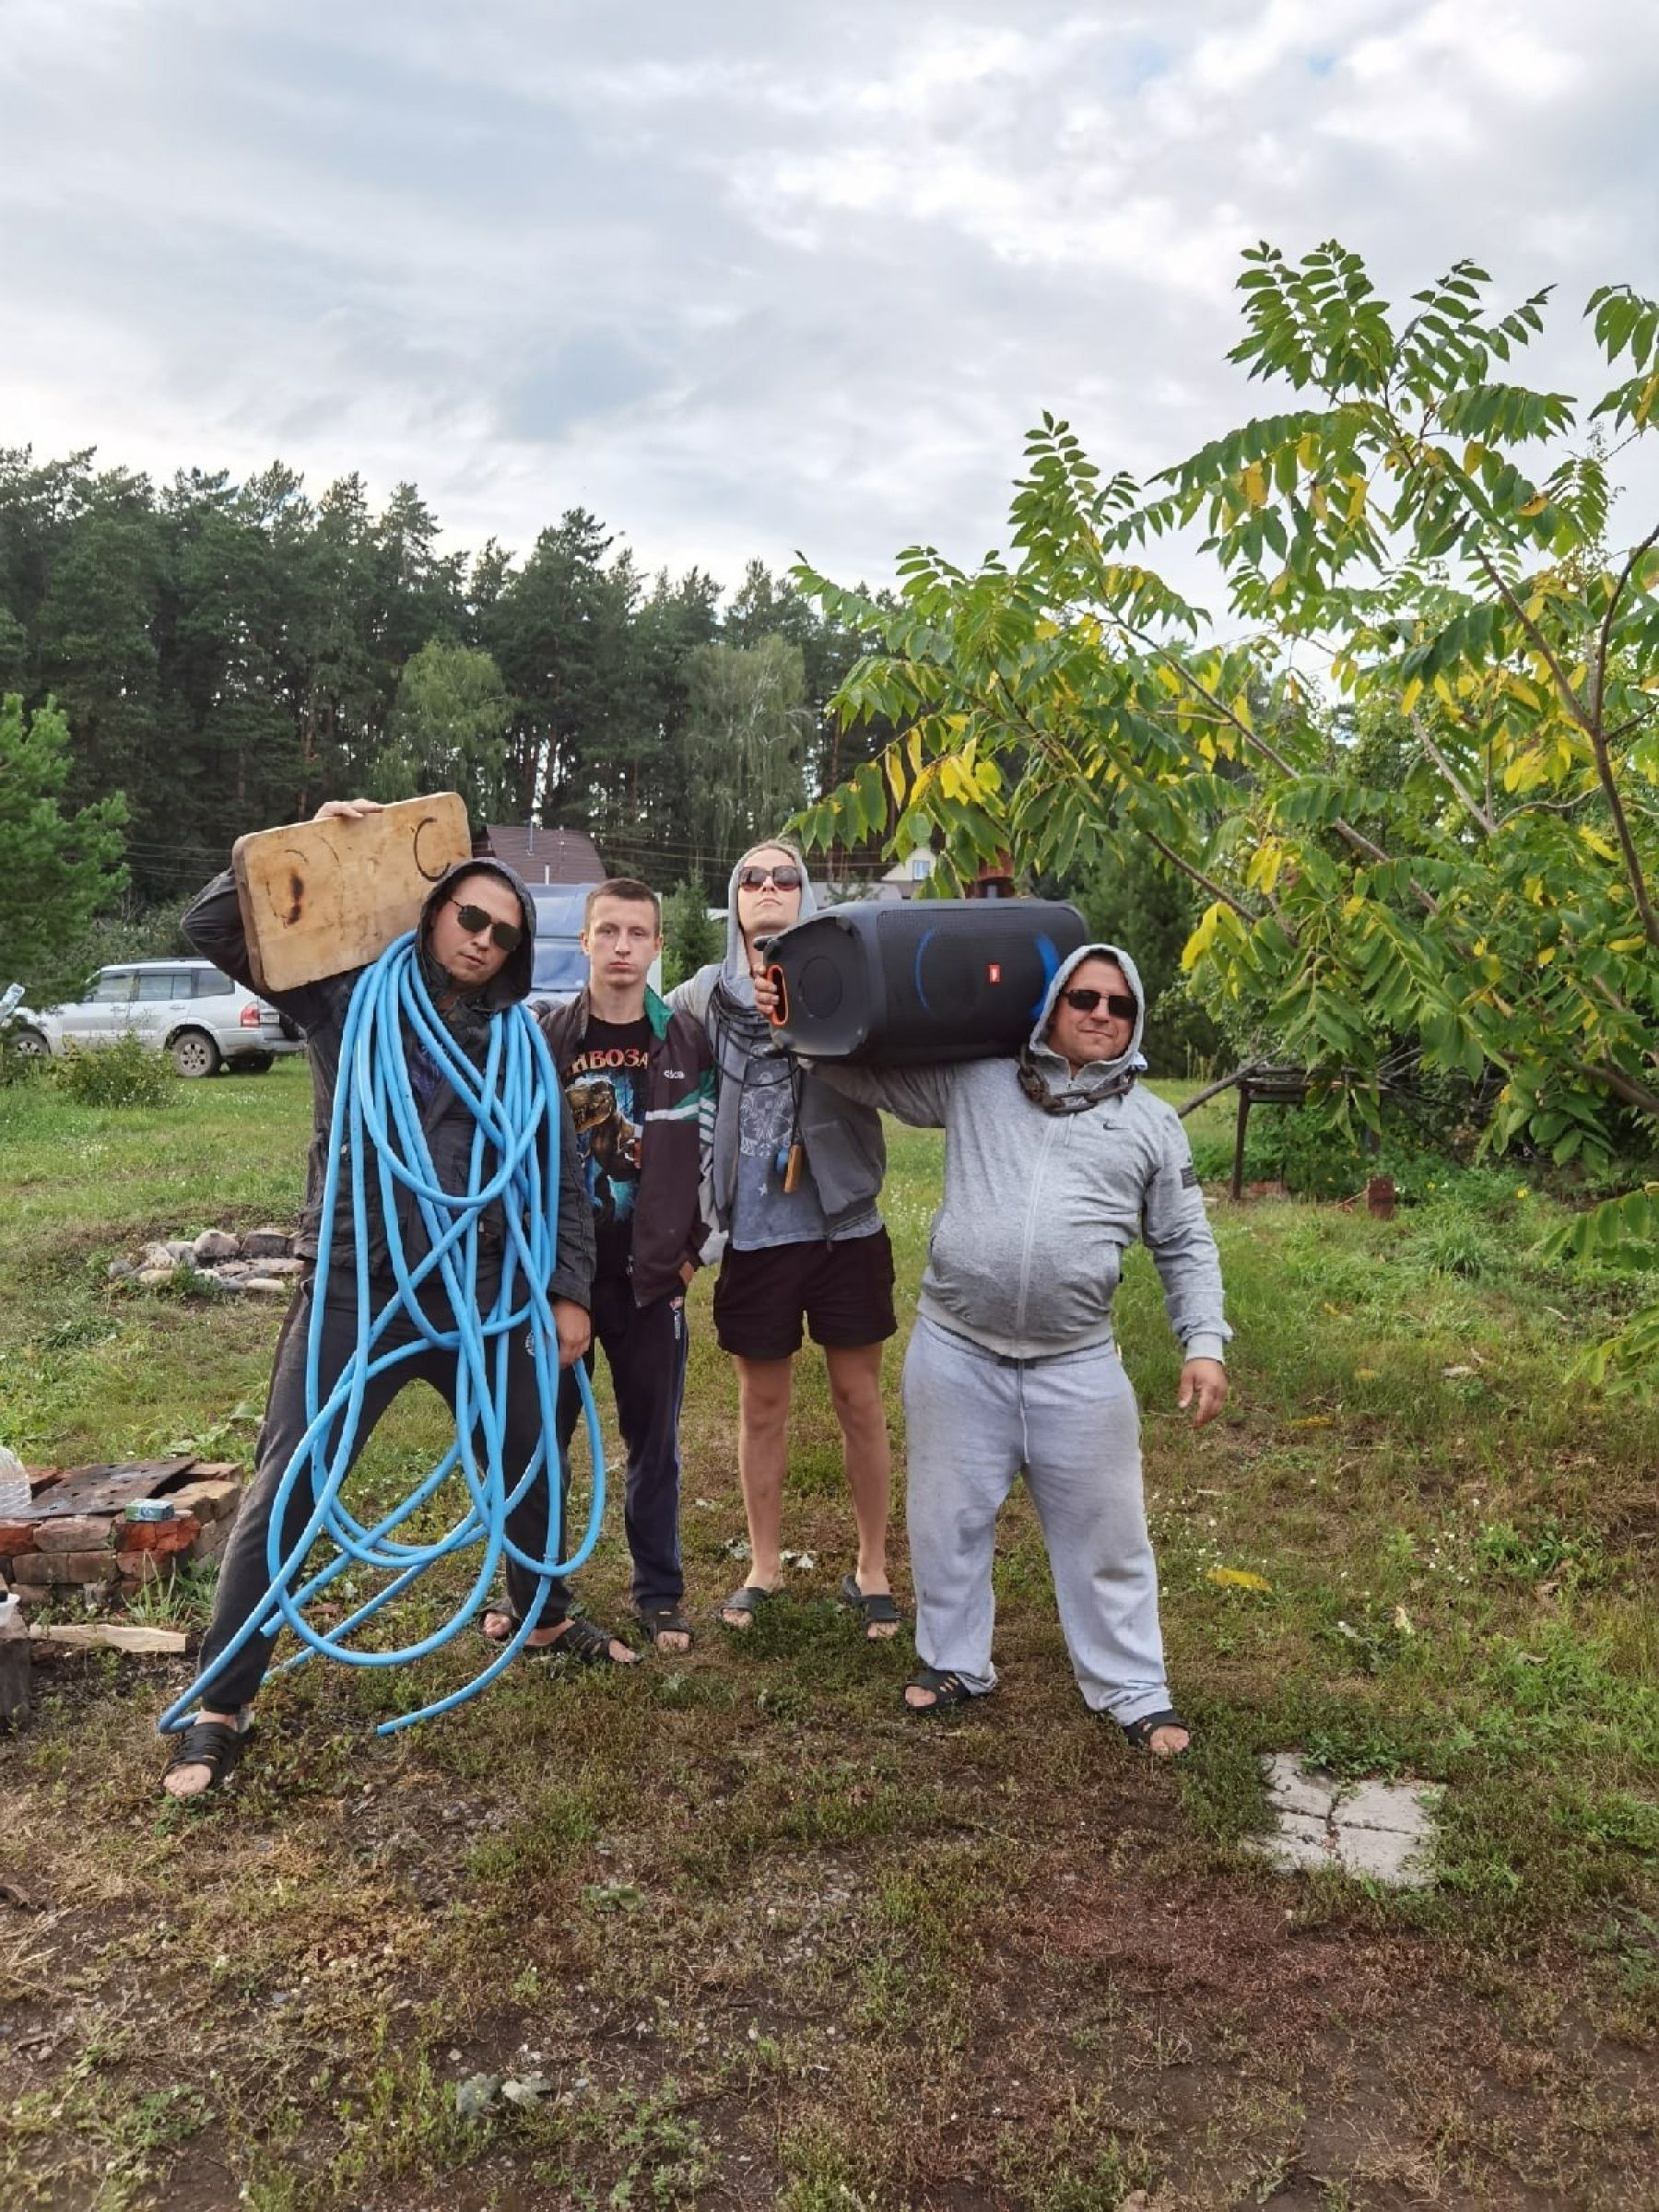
x: 514, y: 1102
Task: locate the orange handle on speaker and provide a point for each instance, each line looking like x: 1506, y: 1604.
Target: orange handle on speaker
x: 774, y: 976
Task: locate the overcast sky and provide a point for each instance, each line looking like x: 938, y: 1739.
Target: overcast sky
x: 740, y: 278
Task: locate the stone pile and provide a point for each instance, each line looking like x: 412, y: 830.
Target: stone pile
x: 74, y: 1539
x: 261, y: 1263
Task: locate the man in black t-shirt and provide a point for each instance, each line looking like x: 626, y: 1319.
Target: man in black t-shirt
x: 640, y: 1086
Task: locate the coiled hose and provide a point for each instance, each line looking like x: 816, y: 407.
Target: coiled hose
x: 514, y: 1102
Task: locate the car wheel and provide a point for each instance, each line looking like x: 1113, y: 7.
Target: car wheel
x: 28, y: 1044
x: 194, y: 1054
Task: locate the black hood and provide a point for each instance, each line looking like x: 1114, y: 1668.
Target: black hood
x: 512, y: 981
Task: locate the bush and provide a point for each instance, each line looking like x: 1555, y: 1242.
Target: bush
x: 15, y: 1066
x: 126, y: 1071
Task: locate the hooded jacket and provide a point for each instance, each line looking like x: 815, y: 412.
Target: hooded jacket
x: 1039, y: 1208
x: 213, y: 925
x: 669, y: 1230
x: 841, y: 1137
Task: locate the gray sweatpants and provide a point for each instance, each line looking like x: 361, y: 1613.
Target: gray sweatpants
x: 973, y: 1421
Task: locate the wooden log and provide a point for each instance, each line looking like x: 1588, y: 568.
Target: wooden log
x: 320, y: 898
x: 112, y: 1634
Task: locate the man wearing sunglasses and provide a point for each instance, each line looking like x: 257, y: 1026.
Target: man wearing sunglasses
x: 796, y: 1173
x: 1055, y: 1164
x: 476, y: 933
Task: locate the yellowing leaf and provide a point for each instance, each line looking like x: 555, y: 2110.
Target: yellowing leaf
x: 1254, y: 481
x: 1202, y: 939
x: 1237, y: 1578
x: 1313, y: 1421
x: 1546, y: 954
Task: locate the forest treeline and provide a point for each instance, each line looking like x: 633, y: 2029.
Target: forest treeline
x: 229, y: 654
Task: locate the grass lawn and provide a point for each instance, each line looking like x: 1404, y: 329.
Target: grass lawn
x: 771, y: 1942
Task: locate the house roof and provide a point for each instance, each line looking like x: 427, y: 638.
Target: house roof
x: 541, y: 855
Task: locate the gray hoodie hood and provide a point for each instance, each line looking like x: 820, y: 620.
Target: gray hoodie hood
x: 1099, y: 1078
x: 735, y: 969
x: 845, y: 1151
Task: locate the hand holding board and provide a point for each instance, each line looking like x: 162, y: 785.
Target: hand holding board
x: 321, y: 897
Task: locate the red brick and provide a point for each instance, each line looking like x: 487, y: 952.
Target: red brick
x: 17, y: 1536
x: 207, y: 1501
x: 73, y: 1532
x: 44, y: 1567
x: 177, y: 1534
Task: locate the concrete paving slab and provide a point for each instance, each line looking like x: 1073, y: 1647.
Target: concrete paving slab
x: 1297, y: 1840
x: 1379, y: 1832
x: 1383, y: 1854
x: 1293, y: 1788
x: 1401, y: 1806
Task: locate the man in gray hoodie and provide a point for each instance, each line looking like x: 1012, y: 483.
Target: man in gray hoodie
x: 796, y: 1173
x: 1054, y: 1163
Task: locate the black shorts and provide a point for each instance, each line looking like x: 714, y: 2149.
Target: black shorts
x: 843, y: 1291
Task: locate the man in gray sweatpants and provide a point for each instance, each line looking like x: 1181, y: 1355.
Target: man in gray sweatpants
x: 1054, y: 1163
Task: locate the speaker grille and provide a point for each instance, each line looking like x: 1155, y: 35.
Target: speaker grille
x: 951, y: 970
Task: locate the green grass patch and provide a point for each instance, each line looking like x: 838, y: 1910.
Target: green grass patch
x: 770, y: 1939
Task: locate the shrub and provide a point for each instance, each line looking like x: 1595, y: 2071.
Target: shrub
x: 125, y: 1072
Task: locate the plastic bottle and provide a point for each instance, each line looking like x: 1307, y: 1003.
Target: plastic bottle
x: 14, y: 1485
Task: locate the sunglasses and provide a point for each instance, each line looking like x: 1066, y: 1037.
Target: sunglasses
x: 503, y: 936
x: 1118, y: 1002
x: 787, y: 878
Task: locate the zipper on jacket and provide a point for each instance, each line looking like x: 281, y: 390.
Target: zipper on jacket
x: 1052, y: 1126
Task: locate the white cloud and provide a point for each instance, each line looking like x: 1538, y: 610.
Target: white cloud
x: 748, y: 278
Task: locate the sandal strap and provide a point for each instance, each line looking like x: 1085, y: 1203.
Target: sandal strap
x: 663, y: 1620
x: 585, y: 1642
x: 1141, y: 1732
x: 215, y: 1745
x: 749, y: 1599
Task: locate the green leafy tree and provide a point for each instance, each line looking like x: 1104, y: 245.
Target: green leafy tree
x: 56, y: 869
x: 448, y: 730
x: 1435, y: 534
x: 691, y: 936
x: 748, y: 723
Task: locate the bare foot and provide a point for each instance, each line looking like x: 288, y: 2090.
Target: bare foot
x: 1167, y: 1743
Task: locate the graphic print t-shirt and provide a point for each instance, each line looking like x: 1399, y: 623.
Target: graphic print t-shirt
x: 604, y: 1082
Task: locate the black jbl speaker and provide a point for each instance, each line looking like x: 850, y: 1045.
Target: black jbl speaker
x: 943, y: 979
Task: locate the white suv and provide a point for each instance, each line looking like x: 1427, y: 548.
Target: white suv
x: 184, y: 1008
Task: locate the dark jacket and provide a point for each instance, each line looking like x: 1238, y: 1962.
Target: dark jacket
x: 213, y: 925
x: 670, y: 1225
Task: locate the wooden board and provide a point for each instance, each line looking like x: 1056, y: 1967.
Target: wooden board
x: 109, y: 1488
x: 321, y: 896
x: 111, y: 1635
